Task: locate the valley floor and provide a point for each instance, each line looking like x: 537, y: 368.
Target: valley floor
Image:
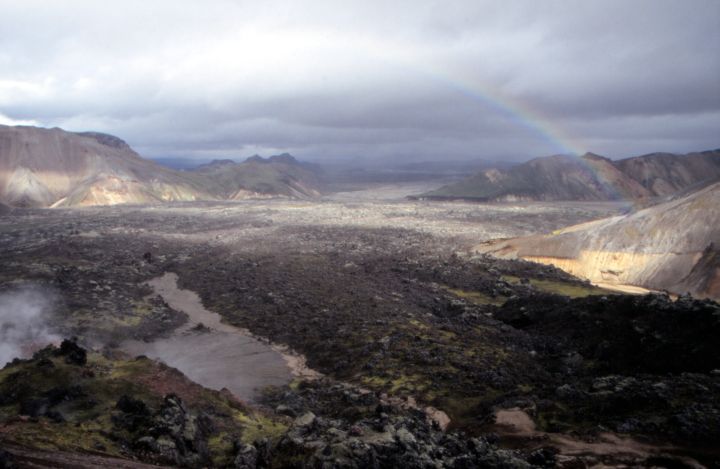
x: 384, y: 296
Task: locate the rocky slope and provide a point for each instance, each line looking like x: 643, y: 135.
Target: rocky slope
x: 666, y: 174
x: 66, y: 401
x: 589, y: 177
x: 67, y: 407
x: 54, y: 168
x: 673, y: 245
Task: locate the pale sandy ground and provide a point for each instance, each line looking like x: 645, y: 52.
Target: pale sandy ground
x: 630, y: 289
x: 461, y: 223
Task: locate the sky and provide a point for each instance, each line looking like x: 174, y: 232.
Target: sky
x: 368, y: 80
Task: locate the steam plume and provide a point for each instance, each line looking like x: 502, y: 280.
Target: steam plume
x: 23, y: 322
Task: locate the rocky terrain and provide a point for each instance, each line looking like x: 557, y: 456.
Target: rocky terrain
x: 67, y: 400
x: 670, y: 246
x: 589, y: 177
x: 430, y: 355
x: 51, y: 167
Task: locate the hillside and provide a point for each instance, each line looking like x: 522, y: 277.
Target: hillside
x: 279, y: 175
x: 69, y: 405
x: 665, y: 174
x: 587, y: 178
x: 673, y: 245
x: 54, y: 168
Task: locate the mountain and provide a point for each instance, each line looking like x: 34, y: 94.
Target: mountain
x: 673, y: 246
x: 587, y: 178
x: 55, y: 168
x: 665, y: 173
x: 278, y: 175
x: 52, y: 167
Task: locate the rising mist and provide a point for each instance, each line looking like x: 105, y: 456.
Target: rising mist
x: 24, y: 313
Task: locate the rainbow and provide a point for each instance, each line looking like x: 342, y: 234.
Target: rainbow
x: 524, y: 115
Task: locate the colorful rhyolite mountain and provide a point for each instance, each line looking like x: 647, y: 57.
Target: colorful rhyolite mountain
x: 54, y: 168
x: 588, y: 178
x: 674, y: 245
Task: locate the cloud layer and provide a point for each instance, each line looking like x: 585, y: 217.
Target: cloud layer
x: 405, y: 79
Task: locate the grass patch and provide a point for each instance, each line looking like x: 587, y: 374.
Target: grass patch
x: 221, y: 447
x: 46, y: 435
x: 560, y: 288
x: 418, y: 324
x: 257, y: 427
x: 525, y: 388
x: 396, y: 385
x: 476, y: 297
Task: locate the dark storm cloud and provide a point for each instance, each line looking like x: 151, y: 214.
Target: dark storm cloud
x: 405, y: 79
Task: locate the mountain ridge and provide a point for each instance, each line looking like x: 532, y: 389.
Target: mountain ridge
x: 55, y: 168
x: 590, y: 177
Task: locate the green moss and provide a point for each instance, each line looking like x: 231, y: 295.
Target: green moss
x: 557, y: 287
x: 525, y: 388
x: 89, y: 426
x: 405, y: 382
x: 417, y: 385
x: 376, y: 382
x: 64, y: 436
x: 418, y: 324
x: 477, y: 297
x: 447, y: 335
x: 221, y: 447
x: 258, y: 426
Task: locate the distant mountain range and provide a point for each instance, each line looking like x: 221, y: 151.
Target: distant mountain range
x: 54, y: 168
x: 587, y: 178
x: 674, y: 245
x: 279, y: 175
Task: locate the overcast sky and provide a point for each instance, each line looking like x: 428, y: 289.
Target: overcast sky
x: 422, y: 80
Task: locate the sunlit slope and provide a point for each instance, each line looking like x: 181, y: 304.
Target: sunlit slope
x: 52, y: 167
x: 673, y: 246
